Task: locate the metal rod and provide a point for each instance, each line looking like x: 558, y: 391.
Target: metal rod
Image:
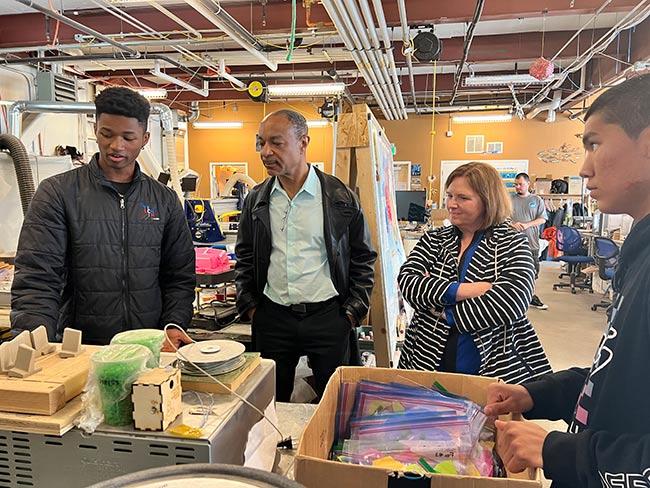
x: 78, y: 26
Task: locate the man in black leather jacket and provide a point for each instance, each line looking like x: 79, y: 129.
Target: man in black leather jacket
x: 305, y: 260
x: 105, y: 248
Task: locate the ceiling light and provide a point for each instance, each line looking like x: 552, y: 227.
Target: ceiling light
x: 503, y: 80
x: 481, y: 119
x: 153, y: 93
x: 306, y: 90
x: 318, y: 123
x: 217, y: 125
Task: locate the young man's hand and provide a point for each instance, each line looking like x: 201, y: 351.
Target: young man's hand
x: 503, y: 398
x: 520, y: 444
x: 177, y: 337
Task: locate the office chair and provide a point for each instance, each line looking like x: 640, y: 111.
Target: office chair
x: 607, y: 260
x: 569, y: 241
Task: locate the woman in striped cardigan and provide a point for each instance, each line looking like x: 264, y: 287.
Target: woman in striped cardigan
x: 470, y: 285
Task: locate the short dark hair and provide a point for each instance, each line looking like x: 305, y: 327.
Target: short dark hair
x: 119, y: 100
x: 626, y: 105
x: 524, y: 176
x: 297, y: 121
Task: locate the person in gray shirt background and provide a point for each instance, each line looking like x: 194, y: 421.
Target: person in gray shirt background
x: 528, y: 213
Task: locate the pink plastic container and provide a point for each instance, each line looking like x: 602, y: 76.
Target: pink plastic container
x: 211, y: 261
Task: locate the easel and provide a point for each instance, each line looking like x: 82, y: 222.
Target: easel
x: 361, y: 157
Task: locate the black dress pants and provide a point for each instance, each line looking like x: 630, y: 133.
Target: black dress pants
x: 322, y: 332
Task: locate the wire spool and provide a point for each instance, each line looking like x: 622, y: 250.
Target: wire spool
x: 200, y: 476
x: 214, y: 357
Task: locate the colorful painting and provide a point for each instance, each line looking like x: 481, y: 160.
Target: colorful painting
x: 392, y: 253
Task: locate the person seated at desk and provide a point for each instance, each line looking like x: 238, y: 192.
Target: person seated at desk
x: 470, y: 285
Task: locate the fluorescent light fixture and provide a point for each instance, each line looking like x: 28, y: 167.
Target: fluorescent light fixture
x: 318, y: 123
x: 503, y: 80
x: 217, y: 125
x: 481, y: 119
x: 306, y: 90
x: 153, y: 93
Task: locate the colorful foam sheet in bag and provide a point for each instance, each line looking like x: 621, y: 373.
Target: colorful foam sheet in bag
x: 414, y: 426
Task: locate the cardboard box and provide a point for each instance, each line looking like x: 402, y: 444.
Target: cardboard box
x: 157, y: 398
x: 313, y: 470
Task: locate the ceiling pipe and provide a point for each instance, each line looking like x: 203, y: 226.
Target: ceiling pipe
x: 468, y: 42
x: 596, y: 47
x: 174, y: 17
x: 204, y: 91
x: 17, y: 109
x: 406, y: 38
x: 99, y: 57
x: 388, y: 52
x: 224, y: 74
x: 376, y: 52
x: 78, y: 26
x: 581, y: 88
x: 371, y: 76
x: 361, y: 63
x: 551, y: 106
x: 236, y: 31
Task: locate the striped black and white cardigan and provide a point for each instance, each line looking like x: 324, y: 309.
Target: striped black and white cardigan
x: 508, y: 345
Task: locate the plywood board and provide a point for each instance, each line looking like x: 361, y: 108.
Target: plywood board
x: 56, y: 424
x: 232, y: 380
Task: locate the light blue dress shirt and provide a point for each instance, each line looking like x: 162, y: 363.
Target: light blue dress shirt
x: 299, y: 269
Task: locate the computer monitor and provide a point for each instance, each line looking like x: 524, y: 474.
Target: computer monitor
x: 411, y: 205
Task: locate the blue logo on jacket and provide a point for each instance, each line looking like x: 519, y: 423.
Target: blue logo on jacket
x: 149, y: 212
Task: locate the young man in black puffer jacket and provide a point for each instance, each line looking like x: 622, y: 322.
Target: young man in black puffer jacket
x: 105, y: 248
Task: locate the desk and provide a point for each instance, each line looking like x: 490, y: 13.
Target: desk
x: 75, y: 460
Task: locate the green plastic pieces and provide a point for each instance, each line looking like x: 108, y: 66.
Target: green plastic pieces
x: 151, y: 338
x: 116, y: 368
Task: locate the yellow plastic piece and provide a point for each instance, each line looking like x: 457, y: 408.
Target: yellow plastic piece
x: 186, y: 431
x: 415, y: 468
x: 446, y: 467
x: 198, y: 208
x: 388, y: 462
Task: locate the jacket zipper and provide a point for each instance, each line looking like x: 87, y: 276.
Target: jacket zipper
x: 125, y: 277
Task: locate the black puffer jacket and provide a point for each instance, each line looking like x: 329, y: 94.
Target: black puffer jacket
x: 350, y: 251
x: 93, y: 260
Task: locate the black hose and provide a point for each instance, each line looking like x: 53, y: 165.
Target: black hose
x: 23, y: 169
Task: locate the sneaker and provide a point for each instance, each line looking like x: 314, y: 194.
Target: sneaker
x: 537, y: 303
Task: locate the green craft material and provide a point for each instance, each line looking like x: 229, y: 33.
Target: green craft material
x: 116, y: 368
x: 151, y: 338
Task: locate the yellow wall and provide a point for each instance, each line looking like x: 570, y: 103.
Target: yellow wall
x: 522, y: 139
x: 238, y: 145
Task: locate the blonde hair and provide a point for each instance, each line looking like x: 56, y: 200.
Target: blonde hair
x: 487, y: 183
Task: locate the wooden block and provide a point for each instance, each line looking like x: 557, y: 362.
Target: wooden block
x: 32, y: 397
x: 4, y: 358
x: 342, y: 168
x: 56, y: 424
x: 71, y: 346
x: 157, y: 398
x: 25, y: 362
x: 40, y: 342
x: 23, y: 338
x: 232, y: 380
x: 46, y: 391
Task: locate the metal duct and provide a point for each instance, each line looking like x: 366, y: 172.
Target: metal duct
x: 24, y: 174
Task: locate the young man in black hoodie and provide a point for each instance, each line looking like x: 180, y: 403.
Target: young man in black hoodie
x: 606, y: 407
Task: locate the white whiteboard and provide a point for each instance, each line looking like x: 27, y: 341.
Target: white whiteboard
x: 507, y: 168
